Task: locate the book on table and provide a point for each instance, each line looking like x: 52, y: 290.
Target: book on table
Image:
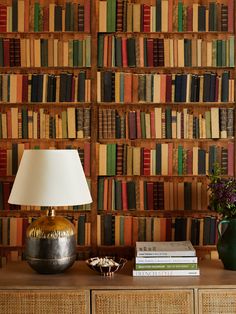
x: 173, y: 258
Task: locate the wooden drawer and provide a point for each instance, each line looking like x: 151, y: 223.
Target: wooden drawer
x: 142, y: 301
x: 217, y: 301
x: 44, y: 302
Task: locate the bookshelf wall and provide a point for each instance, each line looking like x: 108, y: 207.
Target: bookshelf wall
x: 144, y: 90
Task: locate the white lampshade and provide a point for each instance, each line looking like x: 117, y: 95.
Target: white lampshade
x: 50, y: 178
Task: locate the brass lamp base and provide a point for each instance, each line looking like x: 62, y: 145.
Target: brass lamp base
x: 50, y: 244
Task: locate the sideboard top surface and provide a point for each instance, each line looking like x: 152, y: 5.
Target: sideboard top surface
x: 79, y: 276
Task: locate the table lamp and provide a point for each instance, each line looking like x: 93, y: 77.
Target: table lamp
x: 51, y: 178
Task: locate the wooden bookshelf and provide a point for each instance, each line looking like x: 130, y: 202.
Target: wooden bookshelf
x: 46, y: 32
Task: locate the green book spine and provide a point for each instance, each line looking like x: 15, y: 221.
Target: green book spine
x: 109, y: 159
x: 180, y: 160
x: 143, y: 125
x: 88, y: 52
x: 72, y: 17
x: 224, y: 54
x: 111, y: 15
x: 113, y: 159
x: 166, y: 266
x: 70, y: 53
x: 80, y: 53
x: 180, y: 16
x: 75, y: 52
x: 64, y: 124
x: 214, y: 52
x: 208, y: 124
x: 219, y: 53
x: 36, y: 16
x: 231, y: 51
x: 100, y: 50
x: 100, y: 193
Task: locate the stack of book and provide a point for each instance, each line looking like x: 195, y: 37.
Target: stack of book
x: 175, y: 258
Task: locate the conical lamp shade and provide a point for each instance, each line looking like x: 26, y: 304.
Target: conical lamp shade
x: 50, y: 178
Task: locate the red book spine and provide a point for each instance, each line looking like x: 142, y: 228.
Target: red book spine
x: 3, y: 162
x: 25, y: 88
x: 87, y: 16
x: 87, y: 159
x: 170, y: 16
x: 46, y: 19
x: 231, y: 15
x: 146, y: 162
x: 124, y: 52
x: 3, y: 18
x: 146, y: 18
x: 119, y: 15
x: 150, y: 196
x: 6, y: 194
x: 189, y: 18
x: 26, y: 16
x: 168, y: 229
x: 124, y: 196
x: 231, y: 159
x: 189, y: 161
x: 6, y: 50
x: 168, y: 87
x: 150, y: 52
x: 138, y: 121
x: 128, y: 230
x: 132, y: 125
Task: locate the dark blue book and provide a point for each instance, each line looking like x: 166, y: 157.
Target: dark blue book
x: 118, y: 52
x: 201, y: 18
x: 81, y: 86
x: 158, y: 159
x: 131, y: 55
x: 107, y: 86
x: 178, y: 87
x: 183, y: 87
x: 225, y: 87
x: 187, y: 196
x: 195, y: 231
x: 180, y: 229
x: 212, y: 87
x: 206, y: 87
x: 201, y: 161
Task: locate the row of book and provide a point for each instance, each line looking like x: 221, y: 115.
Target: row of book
x: 127, y: 87
x: 117, y: 51
x: 5, y: 190
x: 165, y: 159
x: 65, y: 87
x: 127, y: 230
x: 170, y: 258
x: 25, y: 123
x: 22, y: 16
x: 165, y: 16
x: 13, y: 230
x: 45, y: 52
x: 166, y: 123
x: 10, y: 157
x: 141, y: 195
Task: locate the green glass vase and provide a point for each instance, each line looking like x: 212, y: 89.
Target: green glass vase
x: 226, y: 245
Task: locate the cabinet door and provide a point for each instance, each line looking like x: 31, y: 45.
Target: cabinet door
x: 217, y: 301
x: 44, y: 302
x: 142, y: 301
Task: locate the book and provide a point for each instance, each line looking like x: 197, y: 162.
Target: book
x: 166, y: 260
x: 169, y: 248
x: 162, y: 273
x: 168, y: 266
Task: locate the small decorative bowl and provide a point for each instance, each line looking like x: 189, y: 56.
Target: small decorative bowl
x: 106, y: 266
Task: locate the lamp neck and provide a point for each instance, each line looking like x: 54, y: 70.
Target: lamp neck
x: 51, y: 212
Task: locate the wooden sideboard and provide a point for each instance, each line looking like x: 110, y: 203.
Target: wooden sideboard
x: 80, y: 290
